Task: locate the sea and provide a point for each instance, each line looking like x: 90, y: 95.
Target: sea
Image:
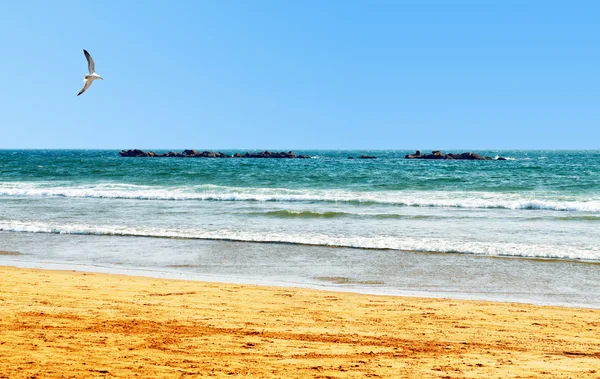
x: 525, y: 229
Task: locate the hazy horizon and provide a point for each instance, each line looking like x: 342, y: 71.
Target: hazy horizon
x: 274, y: 149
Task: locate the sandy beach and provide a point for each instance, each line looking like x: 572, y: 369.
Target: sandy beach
x: 63, y: 324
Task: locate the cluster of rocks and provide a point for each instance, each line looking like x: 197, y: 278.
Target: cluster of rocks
x: 184, y: 154
x: 269, y: 154
x: 365, y: 157
x: 436, y: 154
x: 208, y: 154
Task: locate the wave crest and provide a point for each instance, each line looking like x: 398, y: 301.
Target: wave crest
x: 555, y: 251
x: 442, y: 199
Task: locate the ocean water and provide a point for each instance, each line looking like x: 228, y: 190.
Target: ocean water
x: 326, y: 221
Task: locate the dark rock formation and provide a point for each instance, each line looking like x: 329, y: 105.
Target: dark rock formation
x: 189, y: 152
x: 436, y: 154
x: 135, y: 153
x: 368, y: 157
x: 208, y: 154
x: 269, y: 154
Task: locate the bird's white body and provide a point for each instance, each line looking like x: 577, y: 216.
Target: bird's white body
x: 92, y: 76
x: 89, y: 78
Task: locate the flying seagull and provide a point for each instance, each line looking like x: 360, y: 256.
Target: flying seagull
x: 88, y: 79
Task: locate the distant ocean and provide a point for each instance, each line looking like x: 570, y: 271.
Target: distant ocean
x: 236, y: 218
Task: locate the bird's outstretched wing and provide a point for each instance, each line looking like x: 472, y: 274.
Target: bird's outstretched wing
x: 87, y: 85
x: 91, y: 67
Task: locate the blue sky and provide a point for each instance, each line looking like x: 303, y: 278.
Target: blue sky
x: 301, y: 74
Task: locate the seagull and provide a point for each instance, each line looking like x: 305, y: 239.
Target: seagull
x: 88, y: 79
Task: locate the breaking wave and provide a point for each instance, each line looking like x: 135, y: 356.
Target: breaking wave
x: 401, y: 243
x: 447, y: 199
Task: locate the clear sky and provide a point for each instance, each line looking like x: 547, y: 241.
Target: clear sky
x: 300, y: 74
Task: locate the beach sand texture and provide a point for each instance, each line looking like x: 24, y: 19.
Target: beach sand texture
x: 59, y: 324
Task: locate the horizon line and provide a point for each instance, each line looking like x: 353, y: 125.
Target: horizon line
x: 304, y: 149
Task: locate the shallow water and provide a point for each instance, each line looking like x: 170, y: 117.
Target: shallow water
x: 385, y: 272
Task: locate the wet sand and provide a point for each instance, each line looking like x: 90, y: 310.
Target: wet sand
x: 62, y: 324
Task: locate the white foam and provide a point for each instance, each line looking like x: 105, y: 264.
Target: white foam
x: 550, y: 250
x: 446, y: 199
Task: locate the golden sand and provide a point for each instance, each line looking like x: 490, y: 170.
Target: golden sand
x: 57, y: 324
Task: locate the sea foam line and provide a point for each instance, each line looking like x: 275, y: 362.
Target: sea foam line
x: 555, y: 251
x: 446, y: 199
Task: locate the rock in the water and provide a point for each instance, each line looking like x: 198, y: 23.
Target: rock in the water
x: 209, y: 154
x: 416, y: 155
x: 437, y: 154
x: 269, y: 154
x: 133, y: 153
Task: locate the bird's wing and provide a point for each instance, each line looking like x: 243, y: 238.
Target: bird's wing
x: 87, y: 85
x: 91, y: 68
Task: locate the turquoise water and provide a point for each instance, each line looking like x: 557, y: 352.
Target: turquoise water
x: 82, y: 207
x: 575, y: 174
x: 542, y: 204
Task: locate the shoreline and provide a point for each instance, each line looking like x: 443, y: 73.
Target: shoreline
x: 431, y: 275
x: 154, y: 273
x: 64, y: 323
x: 327, y: 286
